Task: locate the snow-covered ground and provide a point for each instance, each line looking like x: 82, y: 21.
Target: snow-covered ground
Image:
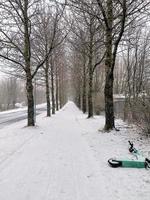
x: 65, y: 158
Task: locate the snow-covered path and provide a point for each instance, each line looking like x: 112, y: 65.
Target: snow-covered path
x: 56, y: 163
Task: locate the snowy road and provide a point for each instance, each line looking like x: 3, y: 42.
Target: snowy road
x: 54, y: 161
x: 15, y: 116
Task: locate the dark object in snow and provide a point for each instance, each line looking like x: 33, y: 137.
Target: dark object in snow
x: 132, y: 149
x: 140, y: 161
x: 114, y: 163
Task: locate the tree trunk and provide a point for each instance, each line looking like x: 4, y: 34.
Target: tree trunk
x: 109, y: 108
x: 57, y: 93
x: 90, y: 95
x: 79, y: 99
x: 90, y: 91
x: 47, y: 91
x: 84, y: 105
x: 27, y: 57
x: 30, y: 100
x: 60, y: 91
x: 52, y: 88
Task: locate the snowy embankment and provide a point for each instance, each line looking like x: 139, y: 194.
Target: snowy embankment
x: 65, y: 158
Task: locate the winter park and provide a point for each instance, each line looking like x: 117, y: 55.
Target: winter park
x: 74, y: 100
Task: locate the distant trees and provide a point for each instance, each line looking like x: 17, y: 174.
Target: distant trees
x: 13, y: 93
x: 8, y: 95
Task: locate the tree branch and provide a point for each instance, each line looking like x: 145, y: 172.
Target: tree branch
x: 12, y: 60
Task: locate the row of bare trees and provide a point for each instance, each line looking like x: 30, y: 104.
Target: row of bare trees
x: 100, y: 32
x: 30, y: 31
x: 99, y: 41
